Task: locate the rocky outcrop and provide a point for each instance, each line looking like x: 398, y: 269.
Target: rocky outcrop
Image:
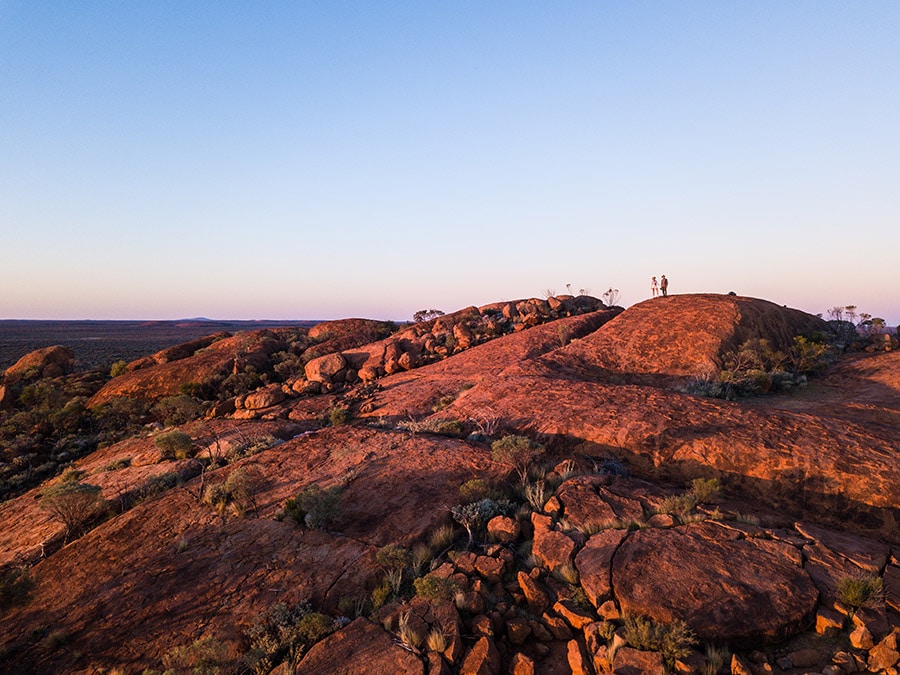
x: 46, y: 362
x: 178, y: 352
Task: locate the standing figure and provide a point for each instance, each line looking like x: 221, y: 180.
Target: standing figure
x: 664, y: 285
x: 654, y: 287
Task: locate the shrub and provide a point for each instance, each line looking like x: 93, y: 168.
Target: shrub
x: 206, y: 655
x: 435, y: 588
x: 860, y: 590
x: 314, y: 507
x: 394, y: 560
x: 705, y: 489
x: 338, y: 416
x: 118, y: 368
x: 474, y: 516
x: 477, y: 489
x: 438, y: 640
x: 518, y: 452
x: 73, y: 504
x: 174, y: 410
x: 241, y: 488
x: 808, y: 356
x: 284, y: 632
x: 175, y: 445
x: 673, y: 639
x: 432, y: 426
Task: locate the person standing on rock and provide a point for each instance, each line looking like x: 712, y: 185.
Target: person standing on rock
x: 654, y: 287
x: 664, y: 285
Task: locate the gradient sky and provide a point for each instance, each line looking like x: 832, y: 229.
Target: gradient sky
x: 331, y: 159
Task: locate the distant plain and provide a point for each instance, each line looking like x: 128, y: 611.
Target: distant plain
x: 98, y: 344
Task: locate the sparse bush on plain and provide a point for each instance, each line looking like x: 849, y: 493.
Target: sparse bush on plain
x: 118, y: 368
x: 338, y: 416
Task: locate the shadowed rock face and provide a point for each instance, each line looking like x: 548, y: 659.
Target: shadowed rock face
x: 594, y: 386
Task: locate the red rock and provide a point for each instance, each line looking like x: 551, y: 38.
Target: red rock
x: 520, y: 664
x: 828, y: 622
x: 264, y: 397
x: 40, y: 363
x: 482, y: 659
x: 325, y: 368
x: 861, y: 638
x: 806, y: 658
x: 574, y: 615
x: 465, y: 562
x: 517, y: 630
x: 491, y: 569
x: 630, y: 661
x: 557, y: 627
x: 594, y: 561
x: 553, y: 549
x: 437, y: 665
x: 482, y: 625
x: 503, y: 529
x: 537, y: 598
x: 359, y: 647
x: 722, y: 587
x: 738, y: 667
x: 885, y: 654
x: 579, y: 661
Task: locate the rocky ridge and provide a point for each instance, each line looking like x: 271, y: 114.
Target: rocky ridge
x: 759, y: 570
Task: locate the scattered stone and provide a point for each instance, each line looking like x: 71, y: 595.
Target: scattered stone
x: 517, y: 630
x: 738, y: 667
x: 557, y: 627
x: 845, y: 662
x: 579, y: 661
x: 552, y: 507
x: 264, y: 397
x: 608, y: 611
x: 482, y: 625
x: 537, y: 599
x: 806, y: 658
x: 325, y: 368
x: 885, y: 654
x: 630, y: 661
x: 829, y: 622
x: 574, y: 615
x: 482, y: 659
x: 552, y: 549
x: 503, y: 529
x: 491, y: 569
x: 520, y: 664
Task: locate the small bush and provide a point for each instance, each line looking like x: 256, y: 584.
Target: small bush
x: 861, y: 590
x: 118, y: 368
x: 206, y: 655
x: 435, y: 588
x: 73, y: 504
x: 477, y: 489
x: 381, y: 594
x: 314, y: 507
x: 705, y: 489
x: 175, y: 445
x: 438, y: 640
x: 338, y: 416
x: 673, y: 639
x: 118, y: 464
x: 474, y: 516
x: 518, y: 452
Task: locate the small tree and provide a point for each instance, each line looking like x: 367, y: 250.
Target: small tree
x: 73, y: 504
x: 611, y: 296
x: 426, y: 315
x: 518, y: 452
x: 175, y: 445
x: 118, y: 368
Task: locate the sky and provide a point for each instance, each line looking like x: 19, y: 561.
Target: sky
x: 318, y: 160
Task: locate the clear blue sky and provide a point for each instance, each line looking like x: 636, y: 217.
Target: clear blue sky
x: 331, y: 159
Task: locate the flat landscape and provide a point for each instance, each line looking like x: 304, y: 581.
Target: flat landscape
x: 97, y: 344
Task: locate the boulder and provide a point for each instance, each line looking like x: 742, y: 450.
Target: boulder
x: 594, y: 562
x: 45, y: 362
x: 264, y: 397
x: 579, y: 661
x: 553, y: 549
x: 360, y: 647
x: 503, y: 529
x: 482, y: 659
x: 536, y: 597
x: 722, y: 586
x: 629, y: 661
x: 324, y: 368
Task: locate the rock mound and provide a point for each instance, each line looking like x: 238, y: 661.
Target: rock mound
x: 685, y: 335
